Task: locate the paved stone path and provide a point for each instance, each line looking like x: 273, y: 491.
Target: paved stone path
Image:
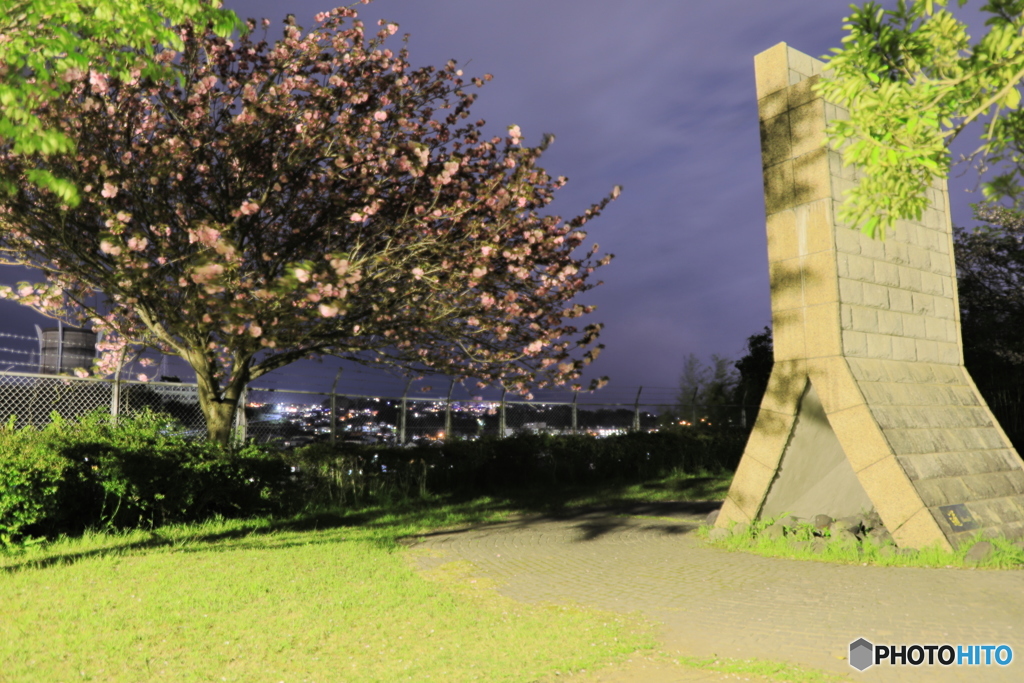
x: 712, y: 602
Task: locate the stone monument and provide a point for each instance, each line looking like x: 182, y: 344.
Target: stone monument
x: 869, y: 404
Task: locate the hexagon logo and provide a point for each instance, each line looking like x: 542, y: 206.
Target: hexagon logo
x: 861, y: 654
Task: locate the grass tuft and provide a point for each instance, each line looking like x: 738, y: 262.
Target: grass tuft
x: 1005, y: 555
x: 776, y: 671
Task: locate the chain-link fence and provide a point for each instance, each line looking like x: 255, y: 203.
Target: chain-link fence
x: 31, y: 399
x: 290, y: 418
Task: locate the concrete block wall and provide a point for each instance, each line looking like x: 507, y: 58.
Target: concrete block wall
x: 872, y: 326
x: 898, y: 296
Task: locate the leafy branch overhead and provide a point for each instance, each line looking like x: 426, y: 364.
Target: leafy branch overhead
x: 40, y: 55
x: 912, y: 81
x: 308, y: 197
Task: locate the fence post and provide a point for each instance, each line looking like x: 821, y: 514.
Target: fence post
x: 501, y: 415
x: 334, y: 408
x: 636, y: 411
x: 401, y: 417
x: 240, y: 422
x: 39, y: 333
x: 448, y: 413
x: 115, y: 394
x: 575, y: 394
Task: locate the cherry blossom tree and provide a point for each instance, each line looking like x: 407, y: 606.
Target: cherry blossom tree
x: 315, y: 196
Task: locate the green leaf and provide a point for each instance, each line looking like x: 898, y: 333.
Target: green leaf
x: 1012, y: 99
x: 64, y: 189
x: 869, y: 226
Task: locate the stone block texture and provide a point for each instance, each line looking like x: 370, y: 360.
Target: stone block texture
x: 870, y: 329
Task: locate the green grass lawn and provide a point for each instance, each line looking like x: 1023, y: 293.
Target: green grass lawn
x: 263, y: 601
x: 332, y: 596
x: 322, y: 597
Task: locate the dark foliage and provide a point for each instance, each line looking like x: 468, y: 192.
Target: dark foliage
x: 755, y: 369
x: 347, y: 474
x: 990, y: 282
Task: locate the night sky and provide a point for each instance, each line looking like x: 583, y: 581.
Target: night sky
x: 655, y: 95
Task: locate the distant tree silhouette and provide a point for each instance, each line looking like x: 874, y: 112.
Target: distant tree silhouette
x: 755, y: 368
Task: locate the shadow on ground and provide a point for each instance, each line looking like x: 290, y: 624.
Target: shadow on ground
x: 402, y: 522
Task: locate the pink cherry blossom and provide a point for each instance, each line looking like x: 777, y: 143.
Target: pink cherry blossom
x: 380, y: 116
x: 205, y: 235
x: 98, y: 82
x: 109, y: 190
x: 328, y: 311
x: 536, y: 347
x: 207, y: 273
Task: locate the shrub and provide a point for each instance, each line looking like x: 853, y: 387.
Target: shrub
x: 31, y: 474
x: 71, y: 476
x: 347, y: 473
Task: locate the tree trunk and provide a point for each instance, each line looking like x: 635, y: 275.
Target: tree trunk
x: 219, y: 407
x: 220, y: 417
